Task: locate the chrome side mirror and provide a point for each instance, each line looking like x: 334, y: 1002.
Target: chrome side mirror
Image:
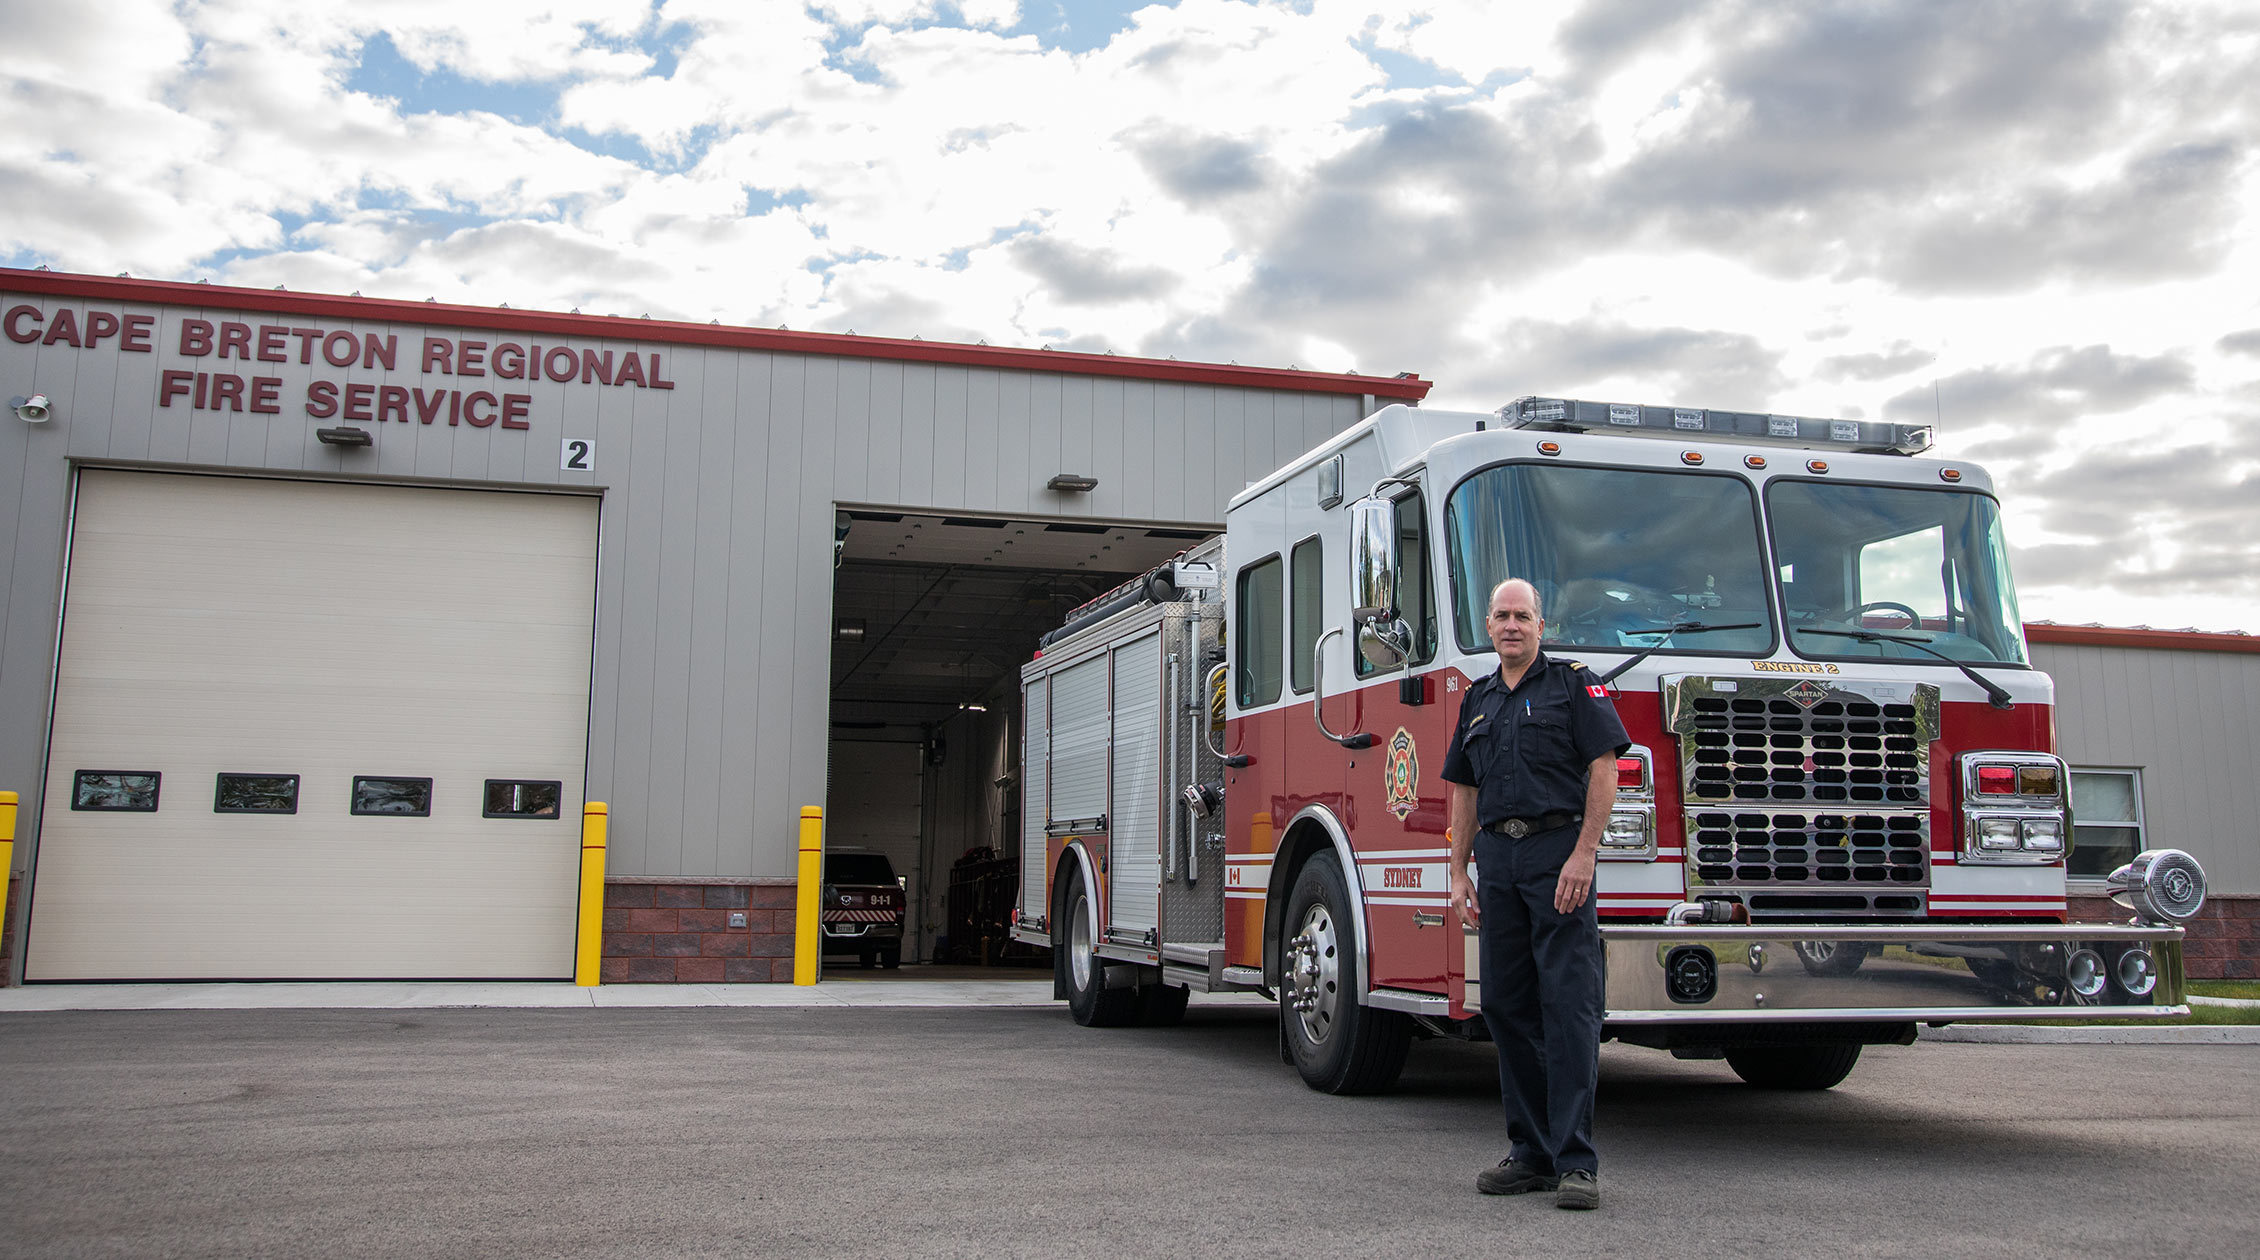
x: 1373, y: 560
x: 1385, y: 643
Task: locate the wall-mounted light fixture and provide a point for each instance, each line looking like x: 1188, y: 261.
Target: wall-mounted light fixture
x: 344, y: 436
x: 1070, y: 483
x: 970, y: 707
x: 32, y: 410
x: 848, y: 629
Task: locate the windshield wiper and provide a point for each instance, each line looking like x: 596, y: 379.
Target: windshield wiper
x: 1677, y: 627
x: 1995, y: 695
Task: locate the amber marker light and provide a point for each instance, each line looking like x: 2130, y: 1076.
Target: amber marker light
x: 1949, y: 474
x: 1816, y: 465
x: 1691, y: 457
x: 1549, y: 448
x: 1753, y: 461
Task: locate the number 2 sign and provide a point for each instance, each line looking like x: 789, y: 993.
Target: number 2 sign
x: 579, y: 455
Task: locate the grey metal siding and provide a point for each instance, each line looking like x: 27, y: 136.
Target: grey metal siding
x: 2190, y: 721
x: 709, y: 707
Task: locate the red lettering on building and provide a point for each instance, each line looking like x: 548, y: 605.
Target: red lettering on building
x: 136, y: 336
x: 306, y: 339
x: 357, y: 399
x: 321, y: 399
x: 427, y: 404
x: 236, y: 337
x: 392, y: 403
x: 227, y: 390
x: 271, y: 347
x: 509, y: 360
x: 173, y: 384
x: 514, y: 409
x: 100, y: 324
x: 470, y: 358
x: 631, y: 369
x: 63, y: 327
x: 384, y: 353
x: 471, y: 408
x: 594, y: 368
x: 14, y: 321
x: 266, y: 395
x: 439, y: 355
x: 550, y: 369
x: 658, y: 381
x: 330, y: 349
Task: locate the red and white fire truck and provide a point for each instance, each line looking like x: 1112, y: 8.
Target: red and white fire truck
x: 1842, y: 817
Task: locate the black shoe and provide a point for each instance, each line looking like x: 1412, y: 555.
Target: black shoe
x: 1513, y: 1177
x: 1578, y: 1191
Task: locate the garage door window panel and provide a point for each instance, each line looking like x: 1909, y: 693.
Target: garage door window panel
x: 392, y: 797
x: 116, y: 791
x: 255, y: 794
x: 523, y: 798
x: 2106, y: 821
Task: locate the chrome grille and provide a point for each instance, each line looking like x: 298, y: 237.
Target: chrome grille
x: 1801, y: 783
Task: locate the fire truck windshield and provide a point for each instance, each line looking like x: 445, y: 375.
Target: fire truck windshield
x: 1616, y: 555
x: 1925, y: 569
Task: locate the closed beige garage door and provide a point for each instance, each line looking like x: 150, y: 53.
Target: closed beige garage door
x: 310, y: 730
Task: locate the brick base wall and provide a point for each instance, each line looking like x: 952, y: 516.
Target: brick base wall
x: 2224, y: 938
x: 676, y: 931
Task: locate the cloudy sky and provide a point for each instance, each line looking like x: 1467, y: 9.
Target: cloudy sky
x: 2038, y: 222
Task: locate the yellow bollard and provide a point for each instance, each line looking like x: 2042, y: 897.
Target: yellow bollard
x: 7, y: 851
x: 807, y: 949
x: 588, y: 962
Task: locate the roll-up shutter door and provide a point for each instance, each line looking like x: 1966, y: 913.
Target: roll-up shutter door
x: 1134, y: 841
x: 1035, y: 764
x: 301, y: 651
x: 1079, y: 730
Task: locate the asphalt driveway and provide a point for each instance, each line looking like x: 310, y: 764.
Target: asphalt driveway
x: 1009, y: 1131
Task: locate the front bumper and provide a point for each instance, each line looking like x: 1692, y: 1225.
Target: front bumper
x: 1931, y: 973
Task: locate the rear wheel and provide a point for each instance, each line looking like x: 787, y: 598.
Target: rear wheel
x: 890, y: 956
x: 1793, y: 1067
x: 1082, y: 971
x: 869, y: 957
x: 1338, y: 1045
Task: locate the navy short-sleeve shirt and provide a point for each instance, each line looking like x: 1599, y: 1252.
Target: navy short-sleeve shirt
x: 1526, y: 751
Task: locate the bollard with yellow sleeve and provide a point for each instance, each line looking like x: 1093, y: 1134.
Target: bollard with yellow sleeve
x: 588, y: 962
x: 7, y: 842
x: 807, y: 949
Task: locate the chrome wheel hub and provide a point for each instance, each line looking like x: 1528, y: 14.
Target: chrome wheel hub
x: 1313, y: 974
x: 1079, y: 964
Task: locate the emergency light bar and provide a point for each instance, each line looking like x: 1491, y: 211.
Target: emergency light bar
x: 1571, y: 415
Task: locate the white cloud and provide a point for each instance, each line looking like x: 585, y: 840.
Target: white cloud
x: 1820, y: 208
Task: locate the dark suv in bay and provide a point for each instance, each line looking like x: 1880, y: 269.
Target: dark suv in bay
x: 862, y: 907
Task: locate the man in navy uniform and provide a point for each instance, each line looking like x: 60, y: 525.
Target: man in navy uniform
x: 1533, y: 772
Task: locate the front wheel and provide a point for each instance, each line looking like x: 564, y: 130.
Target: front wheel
x: 1793, y: 1067
x: 1338, y: 1044
x: 1088, y: 999
x: 1831, y: 958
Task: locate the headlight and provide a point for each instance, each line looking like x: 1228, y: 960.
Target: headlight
x: 2138, y: 972
x: 1997, y: 834
x: 2164, y: 886
x: 2043, y: 835
x: 2085, y: 973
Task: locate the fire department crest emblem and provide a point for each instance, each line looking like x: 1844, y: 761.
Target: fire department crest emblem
x: 1400, y: 773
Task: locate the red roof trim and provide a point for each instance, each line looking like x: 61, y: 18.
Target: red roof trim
x: 2129, y: 637
x: 1406, y: 388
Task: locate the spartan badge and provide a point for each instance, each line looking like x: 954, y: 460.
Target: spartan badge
x: 1807, y: 693
x: 1400, y: 773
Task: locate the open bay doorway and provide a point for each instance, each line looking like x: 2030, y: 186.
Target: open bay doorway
x: 933, y: 616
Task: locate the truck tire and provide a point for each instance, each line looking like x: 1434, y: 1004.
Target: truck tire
x: 1163, y: 1005
x: 1338, y: 1044
x: 1082, y: 971
x: 890, y: 956
x: 1812, y: 1066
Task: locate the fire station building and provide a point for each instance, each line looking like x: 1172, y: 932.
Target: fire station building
x: 321, y: 618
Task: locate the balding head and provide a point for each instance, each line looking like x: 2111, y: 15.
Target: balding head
x: 1515, y: 626
x: 1537, y: 605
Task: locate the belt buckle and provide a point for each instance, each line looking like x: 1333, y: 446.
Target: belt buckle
x: 1517, y: 828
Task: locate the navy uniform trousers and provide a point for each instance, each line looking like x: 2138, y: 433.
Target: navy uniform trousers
x: 1542, y: 997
